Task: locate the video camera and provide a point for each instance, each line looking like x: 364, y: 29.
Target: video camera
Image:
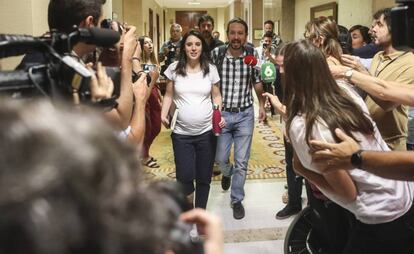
x: 55, y: 72
x: 402, y: 25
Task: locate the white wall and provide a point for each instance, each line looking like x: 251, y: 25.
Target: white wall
x: 349, y: 15
x: 22, y: 17
x: 107, y: 9
x: 302, y: 14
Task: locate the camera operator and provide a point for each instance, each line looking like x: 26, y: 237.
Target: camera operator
x: 168, y: 50
x: 63, y: 15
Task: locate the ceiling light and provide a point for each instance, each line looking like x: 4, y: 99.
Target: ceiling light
x: 193, y: 3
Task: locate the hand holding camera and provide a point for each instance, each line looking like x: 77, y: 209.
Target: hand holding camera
x: 130, y: 43
x: 140, y: 89
x: 101, y: 84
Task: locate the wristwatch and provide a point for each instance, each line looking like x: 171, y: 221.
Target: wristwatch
x: 356, y: 159
x: 348, y: 73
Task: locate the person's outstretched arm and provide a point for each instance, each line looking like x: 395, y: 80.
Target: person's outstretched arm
x: 398, y: 165
x: 384, y: 90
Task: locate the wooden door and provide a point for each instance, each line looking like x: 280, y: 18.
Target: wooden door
x: 151, y: 24
x: 188, y: 19
x: 158, y: 30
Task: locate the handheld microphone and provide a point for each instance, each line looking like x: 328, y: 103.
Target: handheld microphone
x: 268, y: 70
x: 251, y: 61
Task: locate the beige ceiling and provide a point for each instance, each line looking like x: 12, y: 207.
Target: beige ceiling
x: 203, y: 3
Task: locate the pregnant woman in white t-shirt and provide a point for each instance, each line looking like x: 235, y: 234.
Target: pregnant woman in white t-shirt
x: 193, y: 86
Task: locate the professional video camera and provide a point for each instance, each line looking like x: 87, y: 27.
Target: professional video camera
x: 402, y: 25
x: 58, y: 73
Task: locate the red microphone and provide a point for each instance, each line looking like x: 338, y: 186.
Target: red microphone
x: 250, y: 60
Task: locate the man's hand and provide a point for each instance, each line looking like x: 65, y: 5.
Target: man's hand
x: 338, y: 71
x: 101, y: 85
x: 331, y: 156
x: 274, y: 100
x: 165, y: 120
x: 130, y: 43
x: 208, y: 225
x: 353, y: 62
x: 140, y: 89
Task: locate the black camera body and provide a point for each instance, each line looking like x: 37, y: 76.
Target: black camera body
x: 171, y: 47
x: 264, y: 45
x: 402, y: 26
x: 51, y: 70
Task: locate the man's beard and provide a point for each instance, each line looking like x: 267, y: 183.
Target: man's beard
x: 207, y: 35
x: 235, y: 41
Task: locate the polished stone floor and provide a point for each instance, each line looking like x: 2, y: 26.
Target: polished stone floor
x: 259, y: 232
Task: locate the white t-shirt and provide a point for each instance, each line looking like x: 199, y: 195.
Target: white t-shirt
x: 192, y: 97
x: 379, y: 200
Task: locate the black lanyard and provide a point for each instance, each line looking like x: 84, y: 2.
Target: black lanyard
x: 377, y: 73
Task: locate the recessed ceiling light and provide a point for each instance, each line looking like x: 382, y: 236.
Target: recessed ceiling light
x: 193, y: 3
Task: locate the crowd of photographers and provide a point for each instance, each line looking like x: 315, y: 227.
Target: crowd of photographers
x: 79, y: 187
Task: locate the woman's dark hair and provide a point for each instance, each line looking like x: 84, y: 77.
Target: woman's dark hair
x: 328, y: 29
x: 204, y: 57
x: 315, y: 94
x: 343, y: 38
x: 364, y: 32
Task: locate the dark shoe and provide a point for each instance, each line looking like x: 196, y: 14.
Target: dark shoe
x: 287, y: 212
x: 225, y: 182
x: 238, y: 211
x: 216, y: 172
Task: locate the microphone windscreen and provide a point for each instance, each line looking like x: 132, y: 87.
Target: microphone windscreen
x: 250, y: 60
x: 102, y: 37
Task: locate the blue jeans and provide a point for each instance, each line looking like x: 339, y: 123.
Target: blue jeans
x: 238, y: 130
x: 194, y: 159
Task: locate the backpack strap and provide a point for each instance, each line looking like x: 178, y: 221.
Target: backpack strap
x: 218, y: 61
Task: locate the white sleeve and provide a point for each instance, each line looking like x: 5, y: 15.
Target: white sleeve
x: 214, y: 76
x: 297, y: 134
x: 169, y: 72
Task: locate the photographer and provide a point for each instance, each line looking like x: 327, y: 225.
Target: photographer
x: 168, y: 50
x: 63, y: 15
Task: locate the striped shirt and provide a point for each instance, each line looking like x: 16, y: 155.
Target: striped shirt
x: 237, y: 80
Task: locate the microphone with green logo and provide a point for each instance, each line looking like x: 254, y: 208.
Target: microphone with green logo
x: 268, y: 70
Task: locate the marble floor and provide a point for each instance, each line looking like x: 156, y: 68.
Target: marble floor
x: 258, y: 232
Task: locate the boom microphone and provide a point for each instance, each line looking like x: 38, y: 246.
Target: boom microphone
x: 97, y: 36
x: 16, y: 45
